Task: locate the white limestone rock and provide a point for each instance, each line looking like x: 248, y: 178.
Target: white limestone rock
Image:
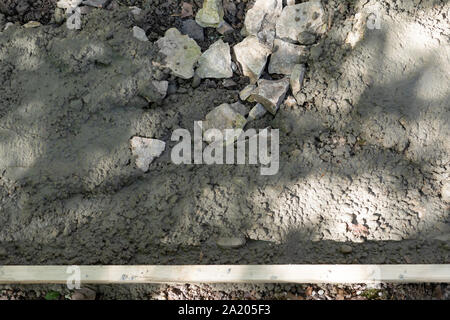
x: 145, y: 150
x: 139, y: 34
x: 297, y: 76
x: 154, y: 91
x: 221, y: 118
x: 260, y: 20
x: 211, y: 14
x: 215, y: 62
x: 358, y: 30
x: 307, y: 16
x: 181, y: 53
x: 66, y: 4
x: 246, y: 92
x: 257, y: 112
x: 271, y: 93
x: 285, y: 56
x: 252, y: 55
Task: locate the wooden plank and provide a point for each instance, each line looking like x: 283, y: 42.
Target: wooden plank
x: 228, y: 274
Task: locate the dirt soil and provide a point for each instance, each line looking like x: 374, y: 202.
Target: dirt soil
x: 363, y: 161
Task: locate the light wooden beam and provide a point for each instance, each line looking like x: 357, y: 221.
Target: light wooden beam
x: 227, y: 274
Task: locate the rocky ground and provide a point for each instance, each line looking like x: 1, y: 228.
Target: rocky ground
x: 231, y: 292
x: 364, y: 167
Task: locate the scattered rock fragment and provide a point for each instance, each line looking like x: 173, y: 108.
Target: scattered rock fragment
x: 196, y: 81
x: 66, y: 4
x: 228, y: 83
x: 271, y: 93
x: 231, y: 242
x: 139, y: 34
x: 225, y: 28
x: 155, y: 91
x: 239, y: 108
x: 246, y: 92
x: 252, y: 55
x: 32, y: 24
x: 358, y: 30
x: 59, y: 15
x: 96, y: 3
x: 307, y: 16
x: 257, y: 112
x: 146, y: 150
x: 215, y: 62
x: 193, y: 30
x: 297, y: 77
x: 285, y: 56
x: 261, y: 19
x: 186, y: 10
x: 181, y: 53
x: 346, y: 249
x: 211, y: 15
x: 83, y: 294
x: 135, y: 10
x: 8, y: 25
x: 161, y: 87
x: 290, y: 102
x: 221, y: 118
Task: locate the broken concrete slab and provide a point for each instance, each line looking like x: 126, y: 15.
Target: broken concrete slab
x: 215, y: 62
x: 252, y: 55
x: 139, y: 34
x: 181, y: 53
x: 221, y: 118
x: 307, y: 16
x: 146, y: 150
x: 297, y: 76
x: 257, y: 112
x: 285, y: 56
x: 193, y: 30
x: 211, y: 14
x: 271, y: 93
x: 261, y: 19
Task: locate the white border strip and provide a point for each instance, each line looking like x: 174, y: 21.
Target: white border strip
x: 228, y: 274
